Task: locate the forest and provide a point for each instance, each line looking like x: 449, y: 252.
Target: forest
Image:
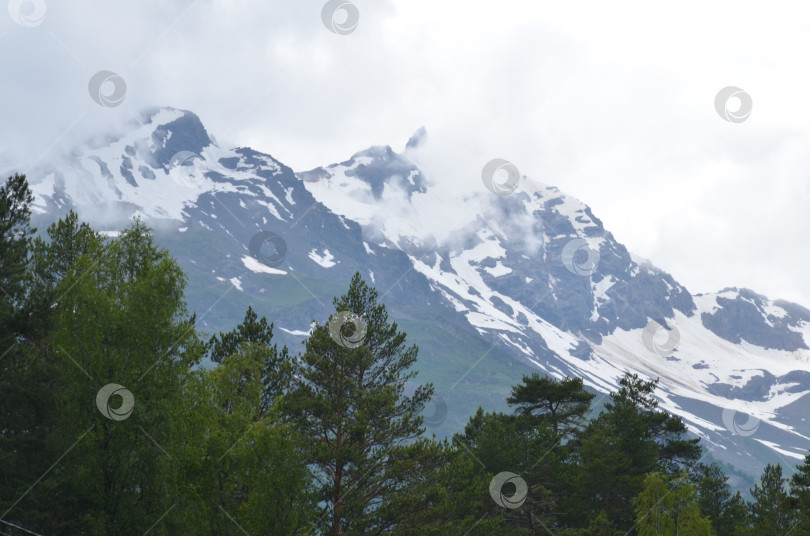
x: 112, y: 424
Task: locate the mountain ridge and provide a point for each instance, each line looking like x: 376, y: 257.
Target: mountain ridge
x: 533, y: 276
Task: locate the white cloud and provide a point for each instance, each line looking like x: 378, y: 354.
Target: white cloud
x: 613, y: 102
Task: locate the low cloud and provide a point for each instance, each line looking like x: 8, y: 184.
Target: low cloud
x: 614, y: 109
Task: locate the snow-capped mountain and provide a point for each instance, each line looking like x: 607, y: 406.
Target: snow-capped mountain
x: 490, y: 287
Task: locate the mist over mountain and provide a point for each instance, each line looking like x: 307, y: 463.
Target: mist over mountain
x: 505, y: 278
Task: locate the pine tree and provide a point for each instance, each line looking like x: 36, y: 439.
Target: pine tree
x: 563, y: 402
x: 771, y: 512
x: 26, y: 405
x: 252, y: 329
x: 554, y: 410
x: 15, y: 245
x: 800, y: 495
x: 523, y: 446
x: 604, y: 478
x: 276, y: 368
x: 725, y: 510
x: 350, y: 405
x: 448, y: 494
x: 601, y: 526
x: 630, y: 439
x: 68, y: 240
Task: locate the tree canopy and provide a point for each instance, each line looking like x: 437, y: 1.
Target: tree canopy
x: 121, y: 416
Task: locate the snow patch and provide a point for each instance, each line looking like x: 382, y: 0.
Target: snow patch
x: 775, y: 447
x: 295, y: 332
x: 257, y: 267
x: 326, y: 259
x: 498, y: 270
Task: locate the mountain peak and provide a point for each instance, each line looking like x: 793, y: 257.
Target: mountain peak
x: 534, y: 276
x: 175, y: 131
x: 417, y: 139
x: 375, y: 168
x: 145, y: 169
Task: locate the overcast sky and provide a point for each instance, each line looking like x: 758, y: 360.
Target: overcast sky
x: 613, y: 102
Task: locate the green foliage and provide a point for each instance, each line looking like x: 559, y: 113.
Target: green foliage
x: 351, y: 407
x: 276, y: 365
x: 517, y: 444
x: 447, y: 493
x: 15, y: 244
x: 120, y: 318
x: 669, y: 507
x: 563, y: 403
x: 601, y: 526
x: 771, y: 511
x: 629, y: 440
x: 242, y: 465
x: 800, y: 497
x: 69, y: 239
x: 725, y: 511
x: 327, y: 442
x: 250, y: 330
x: 25, y: 401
